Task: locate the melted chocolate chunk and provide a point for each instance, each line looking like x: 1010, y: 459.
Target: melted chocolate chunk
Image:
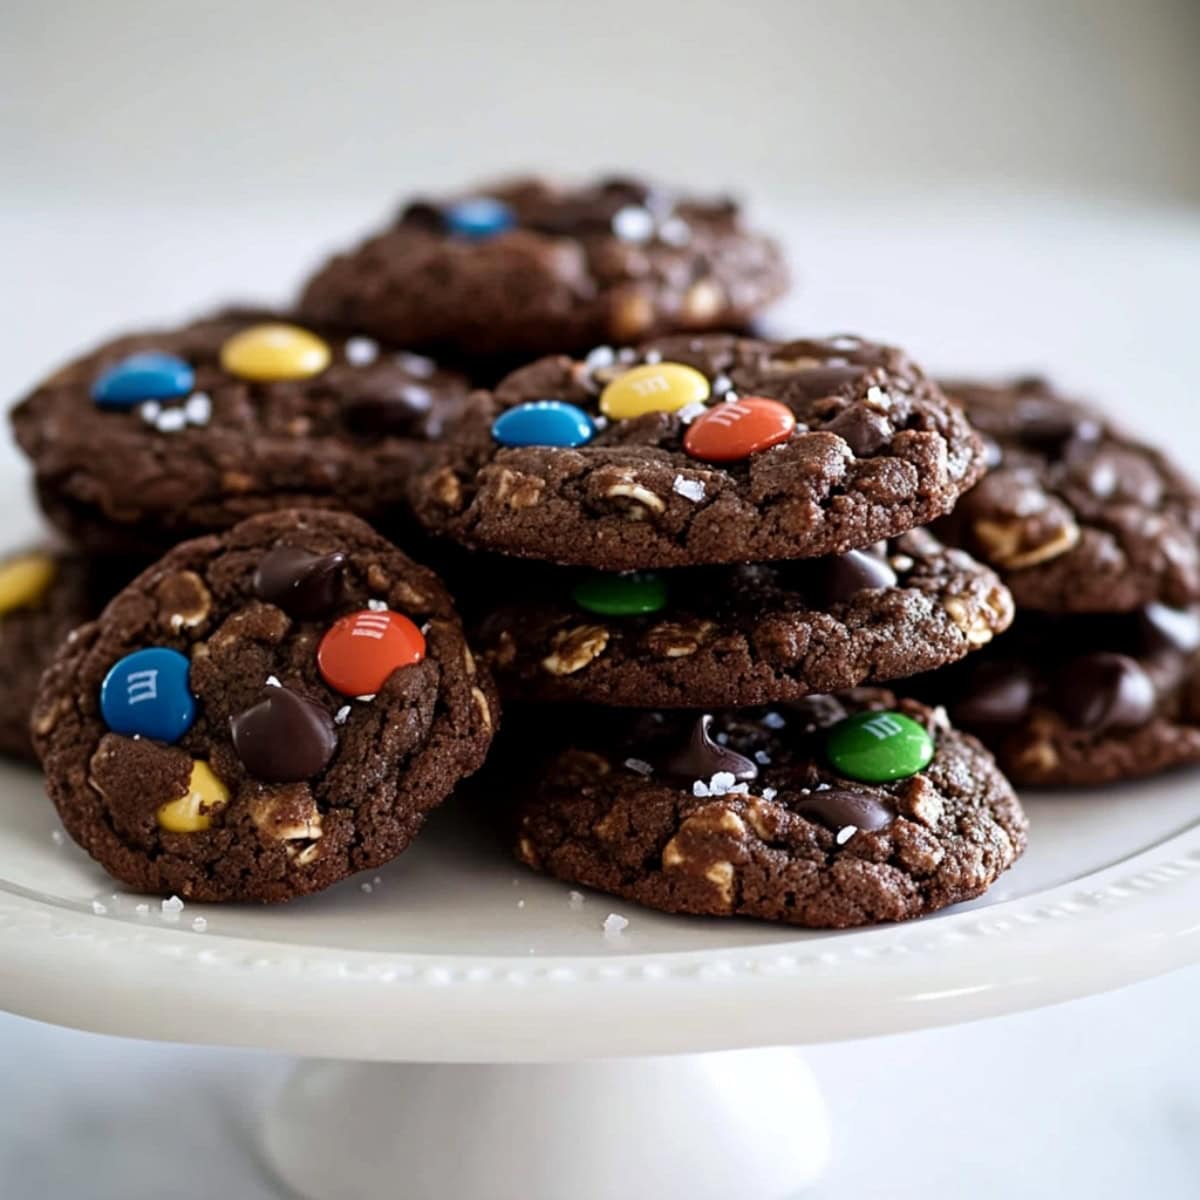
x: 839, y: 807
x: 1049, y: 426
x: 284, y: 738
x: 403, y: 411
x: 1104, y: 691
x: 999, y: 693
x: 702, y: 757
x: 1170, y: 629
x: 303, y: 584
x: 841, y: 576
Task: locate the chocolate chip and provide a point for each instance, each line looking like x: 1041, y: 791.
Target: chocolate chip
x: 1164, y: 628
x: 862, y: 429
x: 702, y: 758
x: 1104, y: 691
x: 840, y: 576
x: 838, y: 807
x: 999, y: 693
x: 303, y: 584
x: 1049, y: 426
x: 423, y: 215
x: 399, y: 411
x: 284, y: 738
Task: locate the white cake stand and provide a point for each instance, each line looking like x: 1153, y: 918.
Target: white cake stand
x: 396, y: 988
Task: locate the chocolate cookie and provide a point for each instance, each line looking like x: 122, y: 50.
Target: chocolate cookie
x: 262, y: 712
x: 161, y: 436
x: 1086, y: 699
x: 738, y: 635
x: 44, y: 594
x: 694, y: 450
x: 828, y: 813
x: 1077, y: 516
x: 528, y: 268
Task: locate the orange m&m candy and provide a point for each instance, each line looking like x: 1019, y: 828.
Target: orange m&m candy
x: 737, y: 429
x: 361, y: 650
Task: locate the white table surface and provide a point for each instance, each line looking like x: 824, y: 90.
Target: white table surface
x: 1099, y: 1098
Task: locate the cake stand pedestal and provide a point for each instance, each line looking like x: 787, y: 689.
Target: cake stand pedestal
x: 616, y: 1065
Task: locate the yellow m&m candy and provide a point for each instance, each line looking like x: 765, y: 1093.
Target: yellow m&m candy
x: 653, y: 387
x: 192, y: 813
x: 274, y: 351
x: 24, y: 580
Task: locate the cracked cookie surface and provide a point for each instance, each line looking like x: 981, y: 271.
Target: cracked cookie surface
x: 263, y: 712
x: 556, y: 270
x: 1075, y: 515
x: 797, y: 841
x: 737, y: 635
x: 849, y: 443
x: 136, y: 478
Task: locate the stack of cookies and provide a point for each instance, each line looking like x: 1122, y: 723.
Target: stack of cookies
x: 689, y: 555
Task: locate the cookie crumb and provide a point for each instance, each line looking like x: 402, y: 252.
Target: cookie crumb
x: 614, y: 924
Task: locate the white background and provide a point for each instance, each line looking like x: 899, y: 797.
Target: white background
x: 998, y: 186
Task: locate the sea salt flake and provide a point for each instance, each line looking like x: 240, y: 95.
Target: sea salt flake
x: 367, y: 698
x: 773, y: 720
x: 675, y: 231
x: 878, y: 399
x: 173, y: 905
x: 198, y: 409
x: 200, y: 924
x: 600, y: 422
x: 639, y: 765
x: 721, y: 384
x: 845, y: 834
x: 340, y: 717
x: 361, y: 351
x: 377, y: 605
x: 690, y: 489
x: 633, y: 223
x: 575, y: 900
x: 699, y: 788
x: 273, y: 681
x: 417, y: 364
x: 721, y: 783
x: 614, y: 923
x: 627, y: 354
x: 150, y: 411
x: 761, y: 757
x: 740, y: 789
x: 98, y: 908
x: 171, y: 420
x: 366, y: 887
x: 652, y: 357
x: 769, y: 793
x: 142, y: 910
x: 689, y: 412
x: 600, y: 356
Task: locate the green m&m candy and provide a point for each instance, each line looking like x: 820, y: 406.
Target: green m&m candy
x: 876, y: 747
x: 627, y: 595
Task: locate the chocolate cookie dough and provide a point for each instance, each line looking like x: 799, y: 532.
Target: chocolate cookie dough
x: 1077, y: 516
x: 44, y: 594
x: 738, y: 635
x: 694, y: 450
x: 525, y: 268
x: 1084, y: 700
x: 161, y: 436
x: 262, y: 712
x: 829, y: 812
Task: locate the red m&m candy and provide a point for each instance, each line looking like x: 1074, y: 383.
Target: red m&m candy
x: 738, y: 429
x: 362, y: 649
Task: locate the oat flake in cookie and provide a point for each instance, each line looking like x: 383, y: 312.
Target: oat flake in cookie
x: 695, y: 450
x: 1084, y: 700
x: 737, y: 635
x: 525, y: 267
x: 829, y: 812
x: 263, y: 712
x: 160, y: 436
x: 1077, y: 516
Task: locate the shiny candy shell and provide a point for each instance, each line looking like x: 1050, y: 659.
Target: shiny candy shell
x: 653, y: 387
x: 273, y: 352
x: 627, y: 595
x: 146, y: 694
x: 876, y: 747
x: 737, y: 429
x: 543, y: 423
x: 192, y: 813
x: 148, y: 375
x: 362, y: 649
x: 479, y: 217
x: 25, y: 580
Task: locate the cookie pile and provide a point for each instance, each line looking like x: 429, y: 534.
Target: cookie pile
x: 689, y: 555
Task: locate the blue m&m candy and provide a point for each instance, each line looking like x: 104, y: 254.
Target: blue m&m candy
x: 479, y: 217
x: 150, y: 375
x: 147, y: 693
x: 544, y: 423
